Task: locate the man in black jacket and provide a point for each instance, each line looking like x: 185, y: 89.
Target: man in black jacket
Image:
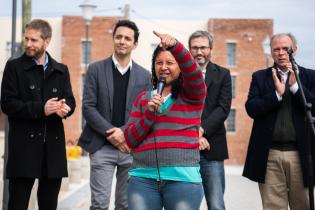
x: 277, y: 154
x: 36, y: 95
x: 212, y: 139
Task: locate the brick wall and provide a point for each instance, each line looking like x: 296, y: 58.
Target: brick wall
x: 74, y: 32
x: 248, y: 34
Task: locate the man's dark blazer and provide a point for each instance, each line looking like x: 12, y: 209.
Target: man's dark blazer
x: 262, y: 105
x: 216, y: 110
x: 98, y: 99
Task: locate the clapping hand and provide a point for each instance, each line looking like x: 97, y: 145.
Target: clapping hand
x: 64, y: 109
x: 279, y: 82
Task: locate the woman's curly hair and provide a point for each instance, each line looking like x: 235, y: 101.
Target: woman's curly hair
x: 176, y: 86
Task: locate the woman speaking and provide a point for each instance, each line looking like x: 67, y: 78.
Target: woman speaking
x: 163, y: 133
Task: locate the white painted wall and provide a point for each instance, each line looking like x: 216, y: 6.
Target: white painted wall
x: 181, y: 30
x: 5, y: 33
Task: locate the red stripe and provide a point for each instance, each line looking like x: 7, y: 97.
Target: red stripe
x: 131, y: 129
x: 144, y: 102
x: 134, y: 131
x: 149, y: 115
x: 127, y: 138
x: 193, y: 77
x: 194, y: 97
x: 184, y: 59
x: 165, y: 145
x: 194, y: 87
x: 143, y: 126
x: 191, y: 68
x: 171, y: 132
x: 139, y: 97
x: 178, y: 120
x: 178, y: 49
x: 135, y: 114
x: 186, y: 107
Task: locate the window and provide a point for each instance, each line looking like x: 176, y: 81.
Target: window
x: 231, y: 54
x: 230, y: 122
x: 233, y: 84
x: 86, y: 52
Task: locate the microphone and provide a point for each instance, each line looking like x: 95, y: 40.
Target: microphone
x: 159, y: 89
x: 160, y: 85
x: 289, y: 50
x: 290, y: 53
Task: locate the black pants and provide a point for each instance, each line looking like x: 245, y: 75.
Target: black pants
x: 20, y: 192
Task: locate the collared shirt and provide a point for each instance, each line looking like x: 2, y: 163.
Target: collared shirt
x: 293, y: 88
x: 45, y: 65
x: 121, y: 69
x: 204, y: 73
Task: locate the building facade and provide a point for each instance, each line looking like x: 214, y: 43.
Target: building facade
x: 78, y: 50
x: 238, y: 45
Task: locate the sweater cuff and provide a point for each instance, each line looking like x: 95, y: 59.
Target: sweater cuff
x: 177, y: 48
x: 148, y: 115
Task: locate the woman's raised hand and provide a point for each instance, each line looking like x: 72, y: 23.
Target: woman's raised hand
x: 166, y: 40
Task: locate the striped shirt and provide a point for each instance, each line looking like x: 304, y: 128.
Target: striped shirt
x: 176, y: 129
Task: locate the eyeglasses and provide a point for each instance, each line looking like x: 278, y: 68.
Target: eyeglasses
x: 202, y: 49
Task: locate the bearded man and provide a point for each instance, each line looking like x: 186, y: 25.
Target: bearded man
x: 36, y: 95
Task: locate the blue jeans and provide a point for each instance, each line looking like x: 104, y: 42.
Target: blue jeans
x: 213, y: 179
x: 148, y: 194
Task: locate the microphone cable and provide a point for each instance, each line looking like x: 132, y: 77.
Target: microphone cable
x: 155, y: 147
x: 160, y: 86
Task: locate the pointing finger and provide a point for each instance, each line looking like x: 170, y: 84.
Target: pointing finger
x: 158, y: 34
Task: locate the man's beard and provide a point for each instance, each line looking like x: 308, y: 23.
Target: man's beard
x: 36, y: 53
x: 202, y: 60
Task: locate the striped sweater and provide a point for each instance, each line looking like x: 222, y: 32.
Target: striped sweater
x: 176, y: 129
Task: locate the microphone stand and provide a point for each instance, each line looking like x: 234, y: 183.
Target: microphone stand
x: 309, y: 129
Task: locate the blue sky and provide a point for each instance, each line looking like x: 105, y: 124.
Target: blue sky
x: 295, y: 16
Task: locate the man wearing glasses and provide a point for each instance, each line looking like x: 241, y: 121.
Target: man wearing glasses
x: 213, y: 146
